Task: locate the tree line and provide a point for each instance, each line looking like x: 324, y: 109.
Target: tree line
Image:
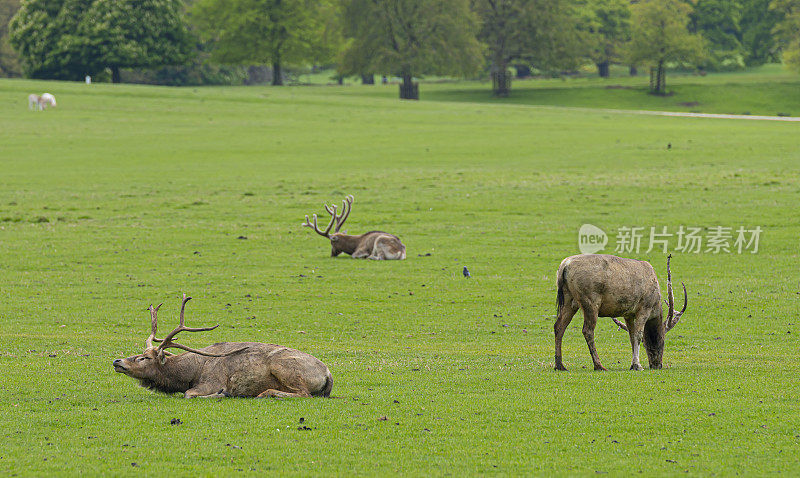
x: 215, y: 41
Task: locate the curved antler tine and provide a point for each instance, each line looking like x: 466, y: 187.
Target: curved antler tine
x: 347, y: 205
x: 332, y: 212
x: 167, y: 341
x: 153, y: 325
x: 198, y: 329
x: 207, y: 354
x: 620, y: 324
x: 183, y: 306
x: 670, y: 295
x: 678, y: 315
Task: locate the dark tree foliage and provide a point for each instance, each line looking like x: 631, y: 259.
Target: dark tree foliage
x: 67, y: 39
x: 134, y: 34
x: 44, y: 34
x: 757, y: 23
x: 719, y: 22
x: 9, y: 62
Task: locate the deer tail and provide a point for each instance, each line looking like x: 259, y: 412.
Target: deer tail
x: 560, y: 280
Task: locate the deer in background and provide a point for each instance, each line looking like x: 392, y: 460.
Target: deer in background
x: 39, y: 103
x: 609, y: 286
x: 375, y: 245
x: 225, y: 369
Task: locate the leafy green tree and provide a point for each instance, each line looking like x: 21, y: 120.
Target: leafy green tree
x: 542, y: 33
x: 607, y: 28
x: 757, y: 23
x: 412, y: 37
x: 788, y: 30
x: 44, y: 34
x: 9, y: 63
x: 659, y: 35
x: 134, y: 34
x: 719, y: 23
x: 273, y: 32
x: 67, y: 39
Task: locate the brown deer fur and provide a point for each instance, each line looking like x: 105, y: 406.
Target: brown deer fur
x: 609, y: 286
x: 227, y: 369
x: 377, y: 245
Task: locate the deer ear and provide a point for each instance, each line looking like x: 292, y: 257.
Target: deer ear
x: 334, y: 238
x: 162, y: 357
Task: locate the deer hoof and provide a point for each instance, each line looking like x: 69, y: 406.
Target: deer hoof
x: 600, y: 368
x: 637, y: 367
x: 561, y: 368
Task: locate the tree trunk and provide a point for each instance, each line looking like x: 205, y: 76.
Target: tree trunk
x: 115, y: 76
x: 633, y: 71
x: 501, y: 78
x: 661, y: 86
x: 277, y: 74
x: 367, y: 79
x: 408, y: 89
x: 602, y: 69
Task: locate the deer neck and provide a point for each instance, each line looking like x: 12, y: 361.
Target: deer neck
x: 178, y: 374
x: 347, y: 243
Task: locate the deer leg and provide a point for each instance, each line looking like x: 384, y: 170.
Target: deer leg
x: 565, y: 314
x: 281, y: 394
x: 359, y: 253
x: 205, y: 391
x: 589, y: 323
x: 636, y: 332
x: 291, y: 382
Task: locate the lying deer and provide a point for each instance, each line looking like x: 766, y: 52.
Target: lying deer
x: 226, y: 369
x: 371, y: 245
x: 610, y: 286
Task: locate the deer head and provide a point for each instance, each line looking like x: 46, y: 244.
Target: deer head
x: 672, y: 316
x: 148, y: 365
x: 336, y: 220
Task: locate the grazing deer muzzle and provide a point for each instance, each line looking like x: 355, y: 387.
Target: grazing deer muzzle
x: 609, y: 286
x: 226, y: 369
x: 377, y: 245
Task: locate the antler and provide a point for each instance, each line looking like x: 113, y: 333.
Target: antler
x: 338, y: 220
x: 672, y: 316
x: 347, y: 205
x: 168, y: 342
x: 154, y: 326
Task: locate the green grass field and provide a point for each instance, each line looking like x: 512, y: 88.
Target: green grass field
x: 767, y: 90
x: 125, y: 196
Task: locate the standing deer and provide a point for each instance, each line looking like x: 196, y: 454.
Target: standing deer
x: 375, y: 245
x: 39, y: 103
x: 225, y: 369
x: 610, y: 286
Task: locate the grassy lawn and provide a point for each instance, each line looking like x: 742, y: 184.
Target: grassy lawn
x: 125, y: 196
x: 767, y: 90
